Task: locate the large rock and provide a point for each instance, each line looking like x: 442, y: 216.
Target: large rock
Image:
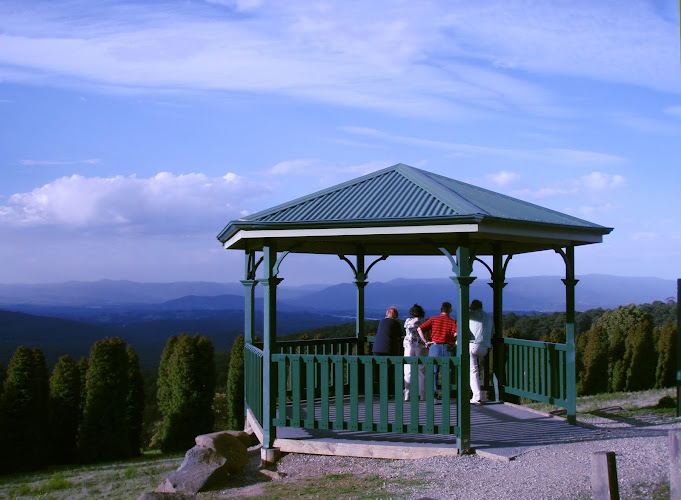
x: 208, y: 463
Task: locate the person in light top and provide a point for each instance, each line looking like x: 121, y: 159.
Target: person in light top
x: 414, y: 346
x: 482, y: 329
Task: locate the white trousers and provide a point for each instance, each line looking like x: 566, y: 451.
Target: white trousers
x: 415, y: 349
x: 477, y: 353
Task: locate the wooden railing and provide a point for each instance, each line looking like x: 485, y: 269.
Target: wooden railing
x: 253, y: 391
x: 536, y: 370
x: 349, y: 392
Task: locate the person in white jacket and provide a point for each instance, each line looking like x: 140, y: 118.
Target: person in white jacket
x: 414, y: 346
x: 482, y: 329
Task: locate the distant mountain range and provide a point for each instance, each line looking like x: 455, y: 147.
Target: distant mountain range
x: 67, y: 318
x: 538, y: 293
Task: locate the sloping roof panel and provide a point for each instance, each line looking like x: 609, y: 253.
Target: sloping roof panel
x: 408, y: 204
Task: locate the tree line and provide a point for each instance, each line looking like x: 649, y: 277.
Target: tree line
x: 104, y: 408
x: 93, y: 410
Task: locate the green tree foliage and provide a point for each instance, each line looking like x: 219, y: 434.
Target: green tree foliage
x: 512, y: 333
x: 594, y: 379
x: 65, y: 411
x: 665, y: 374
x: 186, y: 386
x: 618, y: 323
x: 83, y: 365
x: 103, y: 433
x: 3, y: 376
x: 235, y: 386
x: 134, y: 403
x: 640, y: 356
x: 23, y: 408
x: 556, y: 336
x: 41, y: 380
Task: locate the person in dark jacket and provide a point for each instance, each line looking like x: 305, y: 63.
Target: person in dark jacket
x: 388, y: 340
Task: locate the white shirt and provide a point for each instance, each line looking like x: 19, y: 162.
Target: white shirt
x: 481, y: 327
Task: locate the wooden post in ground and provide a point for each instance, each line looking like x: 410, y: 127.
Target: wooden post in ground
x: 675, y: 463
x: 678, y: 348
x: 604, y: 476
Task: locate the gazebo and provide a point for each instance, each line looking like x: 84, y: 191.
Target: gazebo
x: 399, y: 210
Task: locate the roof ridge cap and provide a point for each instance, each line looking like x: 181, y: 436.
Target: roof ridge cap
x: 434, y: 187
x: 321, y: 192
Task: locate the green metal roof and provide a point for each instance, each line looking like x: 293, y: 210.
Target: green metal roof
x: 405, y: 197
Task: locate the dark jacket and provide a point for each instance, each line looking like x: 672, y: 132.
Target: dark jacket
x: 388, y: 337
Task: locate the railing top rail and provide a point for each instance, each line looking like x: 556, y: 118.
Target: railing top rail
x: 454, y: 360
x: 338, y: 340
x: 536, y: 343
x: 255, y: 349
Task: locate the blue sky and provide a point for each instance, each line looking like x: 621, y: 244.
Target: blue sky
x: 132, y: 132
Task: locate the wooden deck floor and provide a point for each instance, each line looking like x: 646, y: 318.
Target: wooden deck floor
x: 498, y: 430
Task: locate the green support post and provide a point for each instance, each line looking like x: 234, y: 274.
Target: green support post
x: 462, y: 266
x: 571, y: 375
x: 269, y: 283
x: 249, y: 284
x: 498, y: 284
x: 360, y: 283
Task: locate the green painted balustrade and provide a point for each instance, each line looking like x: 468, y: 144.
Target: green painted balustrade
x: 536, y: 370
x: 253, y: 391
x: 357, y: 393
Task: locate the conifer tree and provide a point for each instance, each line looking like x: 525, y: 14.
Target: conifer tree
x: 64, y: 411
x: 3, y: 376
x: 641, y: 356
x: 134, y: 403
x: 103, y: 433
x: 618, y: 323
x: 235, y: 386
x: 665, y: 375
x: 83, y: 365
x: 595, y: 362
x: 41, y: 381
x: 186, y: 387
x: 20, y: 406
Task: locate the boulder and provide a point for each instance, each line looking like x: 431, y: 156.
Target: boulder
x: 207, y: 464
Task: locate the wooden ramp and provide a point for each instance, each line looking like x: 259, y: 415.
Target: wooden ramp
x: 498, y: 430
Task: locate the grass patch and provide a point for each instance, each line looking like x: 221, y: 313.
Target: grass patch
x: 625, y: 403
x: 343, y: 486
x: 125, y: 479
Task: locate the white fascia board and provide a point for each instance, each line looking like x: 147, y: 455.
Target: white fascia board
x: 533, y: 233
x: 350, y: 231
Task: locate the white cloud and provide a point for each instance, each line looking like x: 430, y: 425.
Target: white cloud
x: 33, y: 163
x: 645, y: 236
x: 563, y: 156
x: 436, y: 58
x: 327, y: 174
x: 166, y: 203
x: 674, y: 111
x: 502, y: 178
x: 592, y: 184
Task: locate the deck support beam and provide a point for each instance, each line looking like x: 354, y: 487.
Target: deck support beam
x: 269, y: 283
x: 498, y: 283
x: 462, y: 267
x: 571, y: 372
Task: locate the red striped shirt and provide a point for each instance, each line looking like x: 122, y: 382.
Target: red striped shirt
x: 442, y: 327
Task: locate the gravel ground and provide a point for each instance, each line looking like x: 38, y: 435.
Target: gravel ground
x: 548, y: 472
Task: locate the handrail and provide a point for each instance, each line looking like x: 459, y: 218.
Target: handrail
x: 536, y: 370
